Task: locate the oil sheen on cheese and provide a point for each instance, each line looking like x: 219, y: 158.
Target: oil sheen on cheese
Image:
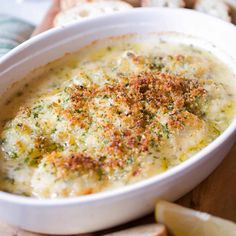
x: 114, y: 113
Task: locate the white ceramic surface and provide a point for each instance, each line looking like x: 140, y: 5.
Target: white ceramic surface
x: 107, y: 209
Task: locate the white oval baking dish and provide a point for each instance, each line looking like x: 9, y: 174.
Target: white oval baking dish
x: 107, y: 209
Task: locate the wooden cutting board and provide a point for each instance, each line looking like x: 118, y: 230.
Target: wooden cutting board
x: 216, y: 195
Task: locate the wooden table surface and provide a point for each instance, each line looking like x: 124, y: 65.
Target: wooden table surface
x: 215, y: 195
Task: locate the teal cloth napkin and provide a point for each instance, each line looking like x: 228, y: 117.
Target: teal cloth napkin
x: 13, y: 32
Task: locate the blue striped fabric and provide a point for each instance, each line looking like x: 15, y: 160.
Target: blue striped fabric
x: 13, y: 32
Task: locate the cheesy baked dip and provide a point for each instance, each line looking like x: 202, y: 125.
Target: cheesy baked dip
x: 110, y: 116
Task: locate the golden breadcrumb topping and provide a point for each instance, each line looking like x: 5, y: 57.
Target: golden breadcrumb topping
x: 110, y: 118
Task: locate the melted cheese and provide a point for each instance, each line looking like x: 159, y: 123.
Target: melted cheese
x: 110, y: 116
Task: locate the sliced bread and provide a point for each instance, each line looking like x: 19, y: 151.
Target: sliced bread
x: 144, y: 230
x: 163, y: 3
x: 218, y: 8
x: 87, y: 9
x: 66, y: 4
x: 232, y: 6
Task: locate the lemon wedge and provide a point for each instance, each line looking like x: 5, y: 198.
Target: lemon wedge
x: 181, y: 221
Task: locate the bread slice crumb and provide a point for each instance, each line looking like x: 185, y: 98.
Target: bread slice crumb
x: 215, y: 8
x: 143, y: 230
x: 67, y: 4
x: 89, y: 8
x: 163, y: 3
